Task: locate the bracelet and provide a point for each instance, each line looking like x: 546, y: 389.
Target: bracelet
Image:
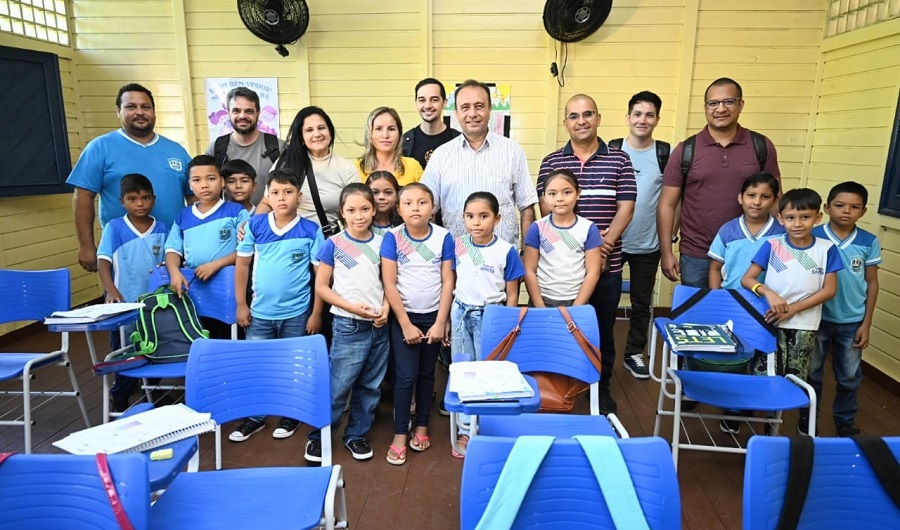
x: 755, y: 288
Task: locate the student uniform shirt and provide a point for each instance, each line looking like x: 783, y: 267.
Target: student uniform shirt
x: 483, y: 270
x: 861, y: 249
x: 418, y: 265
x: 797, y: 273
x: 204, y: 237
x: 133, y: 254
x: 561, y: 268
x: 357, y: 270
x: 735, y: 246
x: 281, y: 279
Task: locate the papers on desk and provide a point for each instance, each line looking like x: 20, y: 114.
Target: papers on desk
x: 91, y: 313
x: 133, y: 434
x: 488, y: 381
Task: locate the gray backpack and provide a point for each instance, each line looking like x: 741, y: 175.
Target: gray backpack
x: 166, y: 327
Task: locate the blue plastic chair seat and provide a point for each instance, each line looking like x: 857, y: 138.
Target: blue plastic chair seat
x: 756, y: 392
x: 559, y: 425
x: 168, y: 370
x: 13, y: 364
x: 233, y: 499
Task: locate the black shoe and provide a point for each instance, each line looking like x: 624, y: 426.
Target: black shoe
x: 636, y: 366
x: 359, y: 449
x: 313, y: 452
x: 688, y: 405
x: 848, y: 429
x: 607, y: 403
x: 246, y: 430
x: 730, y: 426
x: 286, y: 428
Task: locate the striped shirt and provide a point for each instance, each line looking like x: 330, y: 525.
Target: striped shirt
x: 455, y: 171
x: 605, y: 178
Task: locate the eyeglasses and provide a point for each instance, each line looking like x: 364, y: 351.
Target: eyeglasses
x: 588, y: 114
x: 713, y: 104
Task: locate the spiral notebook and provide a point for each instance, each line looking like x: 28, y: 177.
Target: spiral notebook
x: 147, y: 430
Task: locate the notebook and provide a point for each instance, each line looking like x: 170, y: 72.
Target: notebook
x: 147, y: 430
x: 488, y: 381
x: 702, y: 337
x: 91, y: 313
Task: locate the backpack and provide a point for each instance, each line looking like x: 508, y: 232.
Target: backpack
x: 687, y: 154
x: 662, y: 151
x: 221, y: 146
x: 166, y: 327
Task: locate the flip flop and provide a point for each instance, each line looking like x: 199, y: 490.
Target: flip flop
x: 415, y: 443
x: 401, y: 455
x: 462, y: 441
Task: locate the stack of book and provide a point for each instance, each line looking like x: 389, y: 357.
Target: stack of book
x: 716, y: 338
x: 91, y: 313
x: 488, y: 381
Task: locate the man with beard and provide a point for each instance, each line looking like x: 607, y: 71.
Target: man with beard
x: 420, y: 141
x: 134, y: 148
x: 246, y: 142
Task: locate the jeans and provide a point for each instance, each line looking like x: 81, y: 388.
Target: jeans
x: 359, y: 353
x: 465, y: 341
x: 605, y: 300
x: 694, y: 271
x: 846, y: 361
x: 415, y: 365
x: 262, y: 329
x: 643, y: 269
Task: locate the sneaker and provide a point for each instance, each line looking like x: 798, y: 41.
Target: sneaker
x: 635, y: 364
x: 442, y: 410
x: 313, y: 452
x: 730, y: 426
x: 848, y: 429
x: 246, y: 430
x: 359, y: 449
x: 607, y: 403
x: 285, y: 429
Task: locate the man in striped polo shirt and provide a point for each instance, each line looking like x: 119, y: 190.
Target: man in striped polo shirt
x: 608, y: 193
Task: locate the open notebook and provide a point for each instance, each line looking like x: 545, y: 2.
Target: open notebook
x: 147, y: 430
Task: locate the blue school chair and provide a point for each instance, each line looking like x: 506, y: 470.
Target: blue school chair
x: 771, y: 394
x: 238, y: 379
x: 43, y: 492
x: 844, y: 491
x: 185, y: 454
x: 588, y: 482
x: 213, y: 299
x: 33, y: 296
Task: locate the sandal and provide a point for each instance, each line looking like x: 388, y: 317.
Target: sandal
x: 419, y: 442
x: 401, y: 455
x: 462, y: 442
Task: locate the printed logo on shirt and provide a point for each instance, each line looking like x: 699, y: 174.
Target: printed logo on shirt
x: 349, y: 252
x: 407, y: 247
x: 465, y: 247
x: 156, y: 250
x: 552, y: 236
x: 224, y: 234
x: 297, y: 256
x: 818, y: 271
x: 176, y: 164
x: 782, y: 254
x: 856, y: 264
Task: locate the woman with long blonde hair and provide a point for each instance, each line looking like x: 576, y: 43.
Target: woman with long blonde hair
x: 383, y: 149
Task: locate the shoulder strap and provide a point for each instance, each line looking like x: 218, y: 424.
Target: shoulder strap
x: 615, y: 142
x: 591, y: 351
x: 753, y: 312
x: 219, y: 149
x: 272, y: 150
x: 501, y: 351
x: 687, y: 159
x: 4, y: 456
x: 409, y: 140
x: 612, y: 474
x: 799, y: 473
x: 111, y: 493
x: 689, y: 303
x: 515, y: 478
x: 883, y: 463
x: 662, y: 154
x: 317, y: 201
x: 760, y: 148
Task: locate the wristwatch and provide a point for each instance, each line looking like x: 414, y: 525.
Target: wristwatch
x: 674, y: 239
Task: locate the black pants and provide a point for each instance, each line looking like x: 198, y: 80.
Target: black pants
x: 605, y: 300
x: 415, y: 365
x: 643, y: 269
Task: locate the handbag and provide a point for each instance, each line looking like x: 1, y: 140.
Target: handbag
x: 558, y: 391
x: 328, y: 228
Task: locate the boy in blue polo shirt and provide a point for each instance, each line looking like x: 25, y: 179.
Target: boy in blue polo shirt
x: 847, y: 318
x: 284, y: 246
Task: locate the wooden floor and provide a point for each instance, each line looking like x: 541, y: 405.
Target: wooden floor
x: 424, y: 493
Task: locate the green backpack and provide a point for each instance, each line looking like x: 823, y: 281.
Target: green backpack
x: 167, y: 326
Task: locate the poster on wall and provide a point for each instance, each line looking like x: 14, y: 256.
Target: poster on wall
x: 499, y: 109
x: 217, y: 120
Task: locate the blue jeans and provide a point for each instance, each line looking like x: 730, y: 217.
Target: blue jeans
x: 359, y: 353
x: 694, y: 271
x: 262, y: 329
x: 846, y: 361
x: 465, y: 340
x: 415, y: 370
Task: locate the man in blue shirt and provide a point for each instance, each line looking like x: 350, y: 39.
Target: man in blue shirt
x: 134, y: 148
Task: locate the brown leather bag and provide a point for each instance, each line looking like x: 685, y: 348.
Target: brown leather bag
x: 557, y: 391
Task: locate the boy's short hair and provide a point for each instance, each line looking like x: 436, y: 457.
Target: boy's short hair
x: 237, y: 166
x: 203, y: 160
x: 135, y: 183
x: 761, y: 177
x: 800, y: 199
x: 645, y: 96
x: 284, y: 176
x: 849, y: 187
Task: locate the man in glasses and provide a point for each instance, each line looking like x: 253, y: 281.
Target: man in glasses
x: 608, y: 193
x: 705, y: 173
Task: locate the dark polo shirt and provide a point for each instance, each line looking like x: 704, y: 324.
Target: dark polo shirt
x: 713, y: 185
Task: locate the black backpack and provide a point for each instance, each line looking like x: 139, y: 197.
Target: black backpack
x: 221, y: 146
x: 687, y: 154
x: 662, y: 151
x: 167, y: 326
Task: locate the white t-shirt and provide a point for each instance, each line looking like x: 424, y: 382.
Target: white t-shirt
x: 357, y: 270
x: 483, y: 270
x: 561, y: 268
x: 419, y: 264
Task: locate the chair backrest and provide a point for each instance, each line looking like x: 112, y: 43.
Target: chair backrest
x: 65, y: 491
x: 33, y: 295
x: 213, y: 298
x: 843, y: 489
x: 565, y: 492
x: 544, y: 344
x: 279, y: 377
x: 719, y: 306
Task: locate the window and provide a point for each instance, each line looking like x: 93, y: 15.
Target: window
x: 39, y: 19
x: 890, y: 189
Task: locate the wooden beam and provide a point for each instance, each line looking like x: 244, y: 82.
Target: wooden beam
x: 184, y: 75
x: 686, y: 74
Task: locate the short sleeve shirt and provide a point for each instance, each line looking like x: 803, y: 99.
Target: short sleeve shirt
x: 356, y: 270
x: 254, y: 154
x: 860, y: 250
x: 561, y: 249
x: 735, y: 246
x: 483, y: 270
x: 419, y: 264
x: 133, y: 254
x: 204, y: 237
x: 640, y: 236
